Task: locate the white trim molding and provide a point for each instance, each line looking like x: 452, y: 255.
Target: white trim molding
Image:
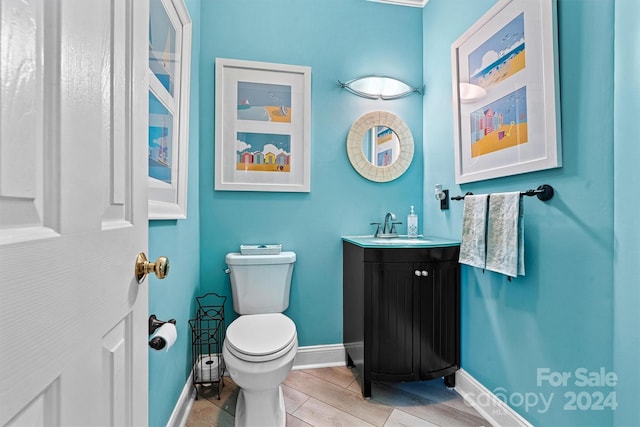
x: 183, y: 406
x: 494, y: 410
x: 320, y: 356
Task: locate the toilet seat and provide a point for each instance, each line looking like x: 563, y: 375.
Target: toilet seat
x: 261, y: 337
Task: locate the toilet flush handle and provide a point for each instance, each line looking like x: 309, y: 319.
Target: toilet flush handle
x: 226, y: 270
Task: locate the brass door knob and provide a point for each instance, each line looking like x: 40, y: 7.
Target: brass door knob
x: 144, y: 267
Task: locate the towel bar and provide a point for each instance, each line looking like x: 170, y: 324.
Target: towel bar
x: 543, y: 192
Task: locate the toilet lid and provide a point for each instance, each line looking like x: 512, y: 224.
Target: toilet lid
x: 261, y: 336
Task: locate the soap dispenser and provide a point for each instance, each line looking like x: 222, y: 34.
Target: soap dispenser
x: 412, y: 224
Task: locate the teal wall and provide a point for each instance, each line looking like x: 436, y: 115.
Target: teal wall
x: 626, y: 340
x: 325, y: 36
x: 179, y: 240
x: 560, y: 315
x: 577, y: 305
x: 338, y: 39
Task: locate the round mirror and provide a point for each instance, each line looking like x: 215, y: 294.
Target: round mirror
x: 380, y: 146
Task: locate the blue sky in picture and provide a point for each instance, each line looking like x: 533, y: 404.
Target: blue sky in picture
x: 263, y: 94
x: 248, y: 141
x: 509, y: 40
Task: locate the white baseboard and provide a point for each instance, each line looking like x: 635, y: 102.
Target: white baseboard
x: 319, y: 356
x: 494, y: 410
x: 183, y: 406
x: 309, y: 357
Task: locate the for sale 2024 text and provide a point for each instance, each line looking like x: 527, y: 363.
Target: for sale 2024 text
x: 595, y: 397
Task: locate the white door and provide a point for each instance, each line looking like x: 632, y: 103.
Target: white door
x: 73, y: 212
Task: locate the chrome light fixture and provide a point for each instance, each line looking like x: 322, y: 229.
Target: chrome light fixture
x: 379, y: 87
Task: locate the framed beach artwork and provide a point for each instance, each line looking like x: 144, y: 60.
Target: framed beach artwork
x: 505, y: 92
x: 169, y: 77
x: 263, y: 118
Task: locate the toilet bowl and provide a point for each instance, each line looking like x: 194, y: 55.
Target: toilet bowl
x: 261, y: 344
x: 259, y: 350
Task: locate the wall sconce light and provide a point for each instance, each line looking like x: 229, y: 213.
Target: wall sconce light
x: 471, y: 93
x: 379, y: 87
x: 443, y: 196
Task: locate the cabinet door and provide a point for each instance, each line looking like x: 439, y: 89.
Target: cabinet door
x: 439, y: 319
x: 393, y: 314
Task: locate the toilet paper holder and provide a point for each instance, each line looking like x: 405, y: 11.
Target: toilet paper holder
x: 154, y: 323
x: 158, y: 342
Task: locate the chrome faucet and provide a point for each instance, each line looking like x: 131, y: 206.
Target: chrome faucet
x: 389, y: 228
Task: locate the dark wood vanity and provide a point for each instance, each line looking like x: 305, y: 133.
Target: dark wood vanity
x: 401, y: 312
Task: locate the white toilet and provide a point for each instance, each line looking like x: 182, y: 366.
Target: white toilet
x: 261, y: 344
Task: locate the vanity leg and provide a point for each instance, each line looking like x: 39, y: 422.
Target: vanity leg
x: 366, y: 387
x: 450, y: 380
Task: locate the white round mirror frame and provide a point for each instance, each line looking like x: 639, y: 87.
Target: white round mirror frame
x: 357, y: 158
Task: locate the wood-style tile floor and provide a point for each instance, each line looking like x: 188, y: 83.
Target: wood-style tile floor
x: 332, y: 397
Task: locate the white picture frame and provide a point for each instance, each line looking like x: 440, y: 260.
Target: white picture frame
x: 263, y: 126
x: 511, y: 123
x: 169, y: 86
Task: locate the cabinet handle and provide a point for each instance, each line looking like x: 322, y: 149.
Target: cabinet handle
x: 417, y: 273
x: 425, y: 273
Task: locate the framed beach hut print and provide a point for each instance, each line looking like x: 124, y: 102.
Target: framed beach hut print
x: 505, y: 92
x: 169, y: 78
x: 263, y: 126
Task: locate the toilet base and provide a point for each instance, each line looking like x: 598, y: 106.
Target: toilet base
x: 267, y: 408
x: 260, y: 399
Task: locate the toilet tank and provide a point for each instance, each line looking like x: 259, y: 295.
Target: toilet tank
x: 260, y: 283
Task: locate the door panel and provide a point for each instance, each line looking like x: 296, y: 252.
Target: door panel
x: 42, y: 407
x: 24, y: 210
x: 439, y: 320
x: 73, y: 212
x: 392, y: 321
x: 116, y: 349
x: 116, y: 113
